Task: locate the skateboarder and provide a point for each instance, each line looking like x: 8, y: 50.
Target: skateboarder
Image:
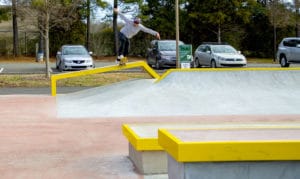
x: 130, y: 29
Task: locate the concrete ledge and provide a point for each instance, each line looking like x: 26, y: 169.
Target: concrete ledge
x: 234, y: 170
x: 267, y: 153
x: 202, y: 145
x: 146, y: 153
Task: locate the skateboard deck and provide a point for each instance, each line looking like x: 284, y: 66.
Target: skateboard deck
x: 123, y: 61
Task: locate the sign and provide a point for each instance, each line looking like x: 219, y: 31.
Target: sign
x: 185, y: 56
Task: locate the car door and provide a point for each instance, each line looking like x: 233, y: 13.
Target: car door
x: 200, y: 54
x: 206, y: 55
x: 296, y: 51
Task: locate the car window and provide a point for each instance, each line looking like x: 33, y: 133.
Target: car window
x: 223, y: 49
x: 168, y: 46
x: 201, y: 48
x: 291, y: 43
x: 75, y: 51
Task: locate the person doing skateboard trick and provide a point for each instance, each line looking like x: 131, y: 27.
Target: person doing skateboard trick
x: 130, y: 29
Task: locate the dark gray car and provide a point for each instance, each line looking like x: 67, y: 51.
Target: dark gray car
x: 162, y: 53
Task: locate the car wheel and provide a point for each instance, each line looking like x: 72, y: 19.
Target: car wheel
x: 157, y: 65
x: 213, y: 64
x: 283, y: 62
x: 196, y: 62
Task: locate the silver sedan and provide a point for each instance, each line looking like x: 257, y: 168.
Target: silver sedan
x: 71, y: 57
x: 218, y: 55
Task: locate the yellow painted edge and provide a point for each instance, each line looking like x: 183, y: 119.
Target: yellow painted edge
x: 225, y: 69
x: 140, y: 144
x: 169, y: 143
x: 142, y: 64
x: 152, y: 143
x: 238, y: 151
x: 219, y: 151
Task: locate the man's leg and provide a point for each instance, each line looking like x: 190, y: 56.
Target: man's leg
x: 122, y: 41
x: 126, y: 47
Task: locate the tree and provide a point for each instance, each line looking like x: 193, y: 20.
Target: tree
x: 15, y: 29
x: 279, y: 16
x: 89, y: 6
x: 219, y: 13
x: 61, y: 13
x: 4, y: 13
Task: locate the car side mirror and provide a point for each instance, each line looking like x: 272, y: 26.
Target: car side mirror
x: 208, y: 51
x: 298, y: 45
x: 58, y: 53
x: 239, y: 52
x: 91, y: 53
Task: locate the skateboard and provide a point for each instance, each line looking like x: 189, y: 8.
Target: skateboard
x: 123, y: 61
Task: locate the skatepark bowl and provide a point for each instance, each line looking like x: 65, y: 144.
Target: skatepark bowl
x: 79, y: 135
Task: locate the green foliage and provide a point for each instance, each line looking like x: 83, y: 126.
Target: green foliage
x: 5, y: 13
x: 60, y: 36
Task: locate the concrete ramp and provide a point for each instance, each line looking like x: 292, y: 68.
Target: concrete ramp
x: 190, y: 93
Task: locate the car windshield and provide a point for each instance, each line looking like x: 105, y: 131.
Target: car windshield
x: 168, y: 46
x: 223, y: 49
x: 75, y: 51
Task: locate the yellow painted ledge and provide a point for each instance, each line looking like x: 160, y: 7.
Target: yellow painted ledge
x: 139, y: 143
x: 131, y: 131
x: 219, y: 151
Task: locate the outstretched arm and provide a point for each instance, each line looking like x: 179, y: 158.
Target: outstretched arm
x: 149, y: 31
x: 116, y: 10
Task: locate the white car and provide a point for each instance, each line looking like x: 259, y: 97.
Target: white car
x: 288, y: 51
x: 71, y: 57
x: 218, y: 55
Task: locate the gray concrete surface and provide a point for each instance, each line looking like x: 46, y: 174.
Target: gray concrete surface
x: 190, y: 94
x: 234, y: 170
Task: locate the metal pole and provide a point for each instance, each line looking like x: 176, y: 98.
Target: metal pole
x: 177, y: 33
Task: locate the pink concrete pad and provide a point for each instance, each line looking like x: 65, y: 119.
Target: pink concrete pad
x: 37, y: 144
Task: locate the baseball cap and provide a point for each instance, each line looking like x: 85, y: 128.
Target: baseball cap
x: 137, y: 20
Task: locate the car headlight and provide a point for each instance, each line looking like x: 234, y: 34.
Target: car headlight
x: 67, y: 60
x: 221, y: 59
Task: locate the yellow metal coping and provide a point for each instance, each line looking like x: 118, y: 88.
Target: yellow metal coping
x: 225, y: 69
x: 149, y: 143
x: 140, y: 143
x: 142, y: 64
x: 230, y: 150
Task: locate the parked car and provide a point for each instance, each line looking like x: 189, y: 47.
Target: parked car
x: 218, y: 55
x: 288, y: 51
x: 71, y: 57
x: 162, y: 53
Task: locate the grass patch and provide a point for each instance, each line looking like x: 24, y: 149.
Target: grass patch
x: 39, y: 80
x: 261, y: 60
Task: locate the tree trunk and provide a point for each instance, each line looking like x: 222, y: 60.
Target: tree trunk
x: 115, y: 28
x: 219, y: 33
x: 15, y: 29
x: 47, y: 44
x: 87, y: 43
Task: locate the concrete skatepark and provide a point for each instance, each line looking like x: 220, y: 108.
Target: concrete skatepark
x: 78, y: 135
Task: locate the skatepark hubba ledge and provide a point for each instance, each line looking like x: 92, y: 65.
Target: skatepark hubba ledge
x: 78, y: 135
